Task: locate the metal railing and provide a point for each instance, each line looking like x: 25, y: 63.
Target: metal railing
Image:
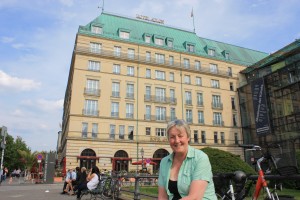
x: 160, y: 99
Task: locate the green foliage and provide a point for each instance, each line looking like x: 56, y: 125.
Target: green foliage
x: 28, y: 158
x: 222, y: 162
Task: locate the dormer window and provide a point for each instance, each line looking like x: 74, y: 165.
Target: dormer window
x: 226, y: 54
x: 190, y: 47
x: 124, y: 33
x: 159, y: 41
x: 96, y: 29
x: 147, y: 39
x: 169, y: 42
x: 211, y: 52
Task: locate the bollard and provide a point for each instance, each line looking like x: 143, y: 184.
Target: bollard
x: 137, y: 188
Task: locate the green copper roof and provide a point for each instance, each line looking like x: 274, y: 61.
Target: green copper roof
x: 111, y: 24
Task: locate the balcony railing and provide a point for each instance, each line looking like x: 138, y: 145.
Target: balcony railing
x: 215, y: 105
x: 159, y: 118
x: 160, y: 99
x: 91, y: 91
x: 147, y: 60
x: 200, y: 103
x: 218, y: 123
x: 114, y: 114
x: 90, y: 112
x: 115, y: 94
x: 130, y: 95
x: 129, y: 115
x: 188, y: 102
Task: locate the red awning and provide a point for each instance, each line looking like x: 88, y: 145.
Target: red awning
x: 88, y: 157
x: 145, y: 162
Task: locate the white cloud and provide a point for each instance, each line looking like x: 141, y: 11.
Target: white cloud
x: 7, y: 39
x: 8, y: 82
x: 18, y: 113
x: 67, y: 2
x: 18, y: 45
x: 48, y: 105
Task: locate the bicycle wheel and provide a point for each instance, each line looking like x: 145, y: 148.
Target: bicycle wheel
x: 219, y: 197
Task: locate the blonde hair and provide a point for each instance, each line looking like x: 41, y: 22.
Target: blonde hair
x: 179, y: 124
x: 83, y: 169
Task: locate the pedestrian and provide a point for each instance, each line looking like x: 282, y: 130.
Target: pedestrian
x: 67, y: 178
x: 93, y: 180
x: 186, y: 173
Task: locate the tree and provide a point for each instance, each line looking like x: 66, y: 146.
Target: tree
x: 29, y: 159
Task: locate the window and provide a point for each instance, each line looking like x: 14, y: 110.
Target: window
x: 124, y: 35
x: 147, y: 39
x: 199, y: 99
x: 84, y: 131
x: 116, y: 69
x: 160, y: 132
x: 160, y: 94
x: 160, y: 75
x: 95, y: 47
x: 190, y: 48
x: 130, y: 53
x: 217, y: 119
x: 172, y: 76
x: 216, y: 101
x: 216, y: 137
x: 148, y: 73
x: 91, y: 107
x: 172, y: 113
x: 170, y: 43
x: 116, y: 89
x: 222, y: 138
x: 231, y: 86
x: 203, y: 137
x: 233, y: 103
x: 186, y: 63
x: 189, y: 116
x: 159, y: 41
x: 234, y: 120
x: 92, y: 87
x: 227, y: 56
x: 187, y: 79
x: 129, y: 110
x: 148, y: 56
x: 130, y: 132
x: 97, y: 29
x: 148, y: 130
x: 211, y: 52
x: 229, y: 71
x: 121, y: 132
x: 171, y: 60
x: 213, y: 68
x: 200, y: 117
x: 130, y: 71
x: 130, y: 91
x: 94, y: 130
x: 198, y: 81
x: 197, y: 65
x: 114, y: 109
x: 148, y: 93
x: 148, y: 112
x: 196, y: 139
x: 159, y: 58
x: 172, y: 96
x: 236, y: 138
x: 94, y: 66
x: 160, y: 113
x: 117, y: 51
x: 112, y: 131
x: 188, y: 98
x: 215, y: 83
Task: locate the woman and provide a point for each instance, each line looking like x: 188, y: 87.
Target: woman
x: 81, y: 179
x: 186, y: 173
x: 93, y: 180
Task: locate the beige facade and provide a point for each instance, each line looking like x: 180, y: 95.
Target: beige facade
x: 117, y: 87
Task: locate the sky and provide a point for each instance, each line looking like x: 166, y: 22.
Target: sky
x: 37, y: 39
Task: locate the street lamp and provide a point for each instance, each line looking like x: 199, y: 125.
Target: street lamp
x: 142, y: 154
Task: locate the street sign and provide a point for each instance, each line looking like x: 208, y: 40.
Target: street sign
x: 39, y: 161
x: 39, y: 157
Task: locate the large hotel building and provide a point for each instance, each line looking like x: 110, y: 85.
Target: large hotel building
x: 130, y: 76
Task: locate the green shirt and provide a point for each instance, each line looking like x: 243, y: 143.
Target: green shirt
x: 196, y: 166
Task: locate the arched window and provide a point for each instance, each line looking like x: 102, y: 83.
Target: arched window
x: 158, y: 155
x: 88, y: 158
x: 120, y: 161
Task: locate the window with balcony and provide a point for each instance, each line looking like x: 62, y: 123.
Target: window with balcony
x: 197, y: 65
x: 124, y: 35
x: 187, y: 79
x: 186, y: 63
x: 117, y: 51
x: 222, y: 138
x: 112, y: 131
x: 148, y: 112
x: 172, y: 76
x: 130, y: 53
x: 171, y: 60
x: 189, y: 116
x: 148, y: 73
x: 130, y: 132
x: 198, y: 81
x: 94, y: 66
x: 215, y: 84
x: 160, y: 94
x: 160, y: 75
x: 172, y: 96
x: 121, y: 132
x: 115, y: 89
x: 130, y: 91
x: 160, y: 113
x: 114, y: 109
x: 216, y: 137
x: 96, y: 30
x: 148, y: 130
x: 172, y: 114
x: 91, y: 107
x: 92, y: 87
x: 188, y: 98
x: 199, y: 99
x: 148, y: 56
x: 213, y: 68
x: 94, y: 130
x: 216, y: 101
x: 159, y: 58
x: 116, y: 69
x: 160, y: 132
x: 84, y: 130
x: 148, y: 93
x: 130, y: 71
x: 129, y: 110
x: 95, y: 47
x: 200, y: 117
x: 217, y: 119
x: 203, y: 137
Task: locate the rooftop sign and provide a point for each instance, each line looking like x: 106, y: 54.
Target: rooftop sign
x: 146, y: 18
